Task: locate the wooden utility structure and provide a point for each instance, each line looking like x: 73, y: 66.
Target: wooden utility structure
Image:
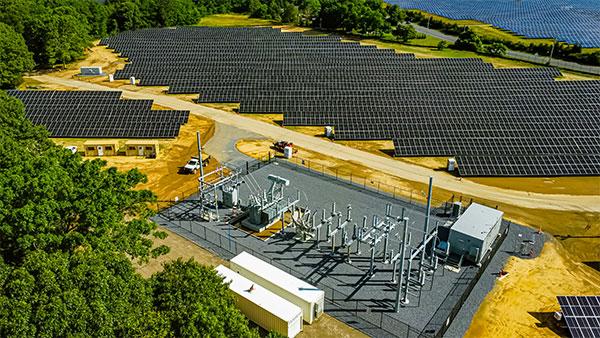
x: 145, y: 148
x: 100, y: 147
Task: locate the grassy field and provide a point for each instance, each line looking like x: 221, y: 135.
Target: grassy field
x: 233, y: 20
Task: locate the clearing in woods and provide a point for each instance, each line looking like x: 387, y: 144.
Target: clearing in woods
x: 577, y: 232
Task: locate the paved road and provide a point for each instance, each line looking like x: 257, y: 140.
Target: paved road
x: 518, y: 55
x: 222, y: 144
x: 387, y: 165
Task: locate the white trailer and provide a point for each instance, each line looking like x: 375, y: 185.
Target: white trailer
x: 310, y: 299
x: 474, y: 232
x: 261, y: 306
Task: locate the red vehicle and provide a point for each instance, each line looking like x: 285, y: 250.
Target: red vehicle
x: 280, y: 145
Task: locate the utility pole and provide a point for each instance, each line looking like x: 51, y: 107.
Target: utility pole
x: 551, y: 51
x: 200, y: 159
x: 425, y: 231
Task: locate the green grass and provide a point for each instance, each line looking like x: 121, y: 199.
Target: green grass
x: 428, y: 41
x: 492, y: 32
x: 424, y: 51
x: 233, y: 20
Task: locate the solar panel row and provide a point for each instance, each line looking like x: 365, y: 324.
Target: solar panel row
x: 95, y: 114
x: 506, y: 122
x: 582, y: 315
x: 573, y: 21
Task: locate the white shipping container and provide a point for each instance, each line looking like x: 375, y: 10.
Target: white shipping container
x: 309, y: 298
x: 261, y: 306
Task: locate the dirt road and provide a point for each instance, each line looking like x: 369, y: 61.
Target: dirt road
x: 400, y: 169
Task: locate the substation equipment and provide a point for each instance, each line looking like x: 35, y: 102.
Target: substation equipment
x: 346, y: 238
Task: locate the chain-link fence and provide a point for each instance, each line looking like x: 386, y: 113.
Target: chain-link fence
x: 220, y: 241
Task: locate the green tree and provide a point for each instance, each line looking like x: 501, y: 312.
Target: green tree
x: 83, y: 293
x: 53, y: 201
x: 196, y: 303
x: 442, y: 45
x: 469, y: 40
x: 395, y: 15
x: 496, y: 49
x: 68, y: 232
x: 258, y: 9
x: 57, y: 38
x: 17, y: 13
x: 15, y: 59
x: 405, y: 32
x: 125, y: 15
x: 372, y: 22
x: 177, y: 13
x: 290, y: 14
x: 310, y: 8
x: 275, y: 11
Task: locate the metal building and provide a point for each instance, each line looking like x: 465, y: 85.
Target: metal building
x: 474, y: 232
x: 309, y: 298
x: 261, y: 306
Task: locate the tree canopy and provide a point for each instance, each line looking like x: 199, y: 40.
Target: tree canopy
x: 70, y: 232
x: 15, y: 59
x: 57, y: 32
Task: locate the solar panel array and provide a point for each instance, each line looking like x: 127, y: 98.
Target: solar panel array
x: 498, y: 122
x: 94, y: 114
x: 573, y: 21
x: 582, y: 315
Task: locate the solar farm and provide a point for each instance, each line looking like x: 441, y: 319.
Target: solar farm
x: 496, y: 122
x: 572, y: 21
x: 98, y: 114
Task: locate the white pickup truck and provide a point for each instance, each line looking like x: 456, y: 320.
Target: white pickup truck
x: 193, y: 165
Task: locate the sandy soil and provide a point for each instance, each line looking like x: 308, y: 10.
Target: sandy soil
x: 522, y: 304
x: 162, y: 172
x: 180, y: 248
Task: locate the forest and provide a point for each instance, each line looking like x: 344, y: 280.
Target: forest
x: 71, y: 232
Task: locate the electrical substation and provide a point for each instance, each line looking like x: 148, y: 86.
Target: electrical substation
x: 389, y: 267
